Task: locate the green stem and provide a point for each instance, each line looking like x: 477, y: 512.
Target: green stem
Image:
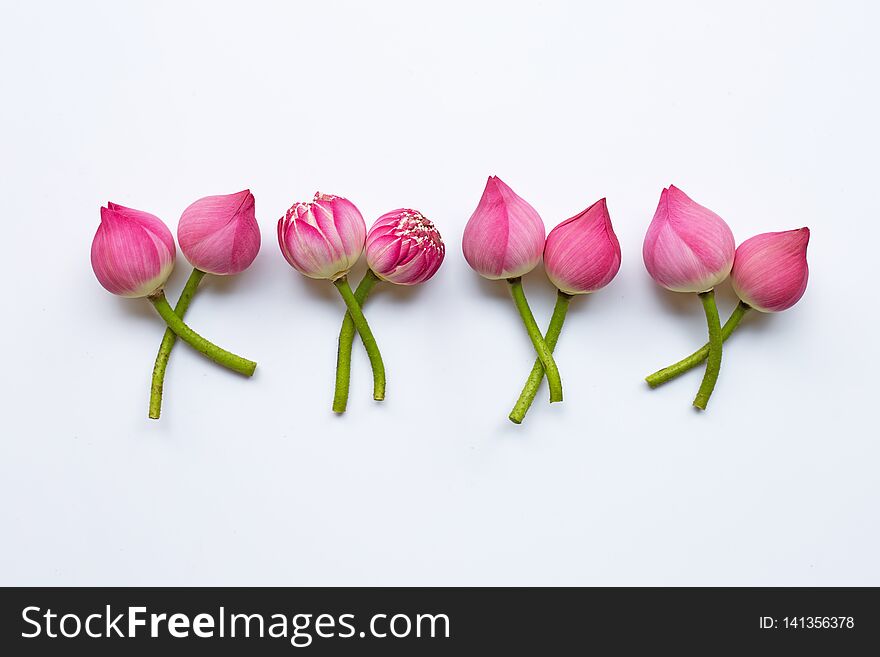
x: 168, y: 340
x: 713, y: 361
x: 544, y: 354
x: 360, y: 323
x: 686, y: 364
x: 346, y: 341
x: 527, y: 396
x: 197, y: 342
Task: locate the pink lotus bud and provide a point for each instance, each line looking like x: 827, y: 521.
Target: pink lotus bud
x: 688, y: 248
x: 582, y: 254
x: 219, y: 234
x: 133, y: 252
x: 322, y: 238
x: 404, y: 247
x: 770, y: 270
x: 504, y: 238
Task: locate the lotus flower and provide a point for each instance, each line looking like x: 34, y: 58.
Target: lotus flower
x: 133, y: 252
x: 404, y: 248
x: 322, y: 238
x: 688, y: 248
x: 770, y: 271
x: 582, y: 254
x: 219, y: 234
x: 504, y: 238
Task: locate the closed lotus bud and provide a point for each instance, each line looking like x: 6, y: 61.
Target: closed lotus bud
x: 133, y: 252
x: 403, y: 247
x: 219, y: 234
x: 582, y: 254
x: 322, y: 238
x: 504, y: 238
x: 770, y: 270
x: 688, y: 248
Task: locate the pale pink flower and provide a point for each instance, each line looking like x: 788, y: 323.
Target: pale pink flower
x: 133, y: 252
x: 219, y: 234
x: 688, y: 248
x: 504, y: 238
x: 582, y: 254
x: 770, y: 270
x: 322, y: 238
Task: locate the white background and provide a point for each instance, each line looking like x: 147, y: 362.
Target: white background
x: 765, y: 112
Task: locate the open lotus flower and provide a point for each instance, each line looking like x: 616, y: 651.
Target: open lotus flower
x: 403, y: 247
x: 132, y: 256
x: 581, y: 255
x: 132, y: 252
x: 323, y: 239
x: 770, y: 271
x: 218, y: 235
x: 504, y: 239
x: 769, y: 274
x: 689, y: 248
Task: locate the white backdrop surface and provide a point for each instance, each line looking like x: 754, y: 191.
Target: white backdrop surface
x: 765, y: 112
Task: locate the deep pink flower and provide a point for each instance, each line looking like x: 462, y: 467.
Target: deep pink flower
x: 582, y: 254
x: 404, y: 247
x: 322, y: 238
x: 688, y: 248
x: 219, y: 234
x: 770, y: 270
x: 504, y: 238
x: 133, y: 252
